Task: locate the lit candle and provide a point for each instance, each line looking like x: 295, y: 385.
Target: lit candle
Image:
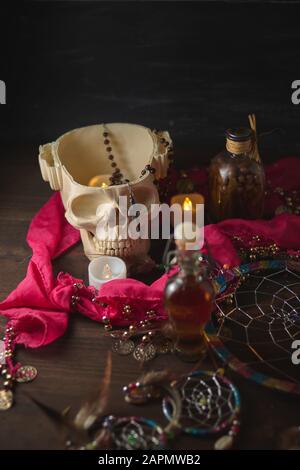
x: 107, y: 272
x: 100, y: 181
x: 188, y: 202
x: 104, y: 269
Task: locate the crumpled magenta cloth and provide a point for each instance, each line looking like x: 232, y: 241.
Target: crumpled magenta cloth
x: 40, y: 307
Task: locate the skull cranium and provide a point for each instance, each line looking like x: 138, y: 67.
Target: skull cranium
x: 69, y: 164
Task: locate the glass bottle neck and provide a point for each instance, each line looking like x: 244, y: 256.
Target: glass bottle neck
x: 239, y: 148
x: 190, y: 263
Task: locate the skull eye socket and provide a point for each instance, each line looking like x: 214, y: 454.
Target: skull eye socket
x: 82, y: 210
x: 85, y: 206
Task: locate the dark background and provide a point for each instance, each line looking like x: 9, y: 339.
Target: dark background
x: 194, y: 68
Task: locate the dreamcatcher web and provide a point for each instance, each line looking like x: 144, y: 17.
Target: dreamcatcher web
x: 206, y: 403
x: 210, y: 403
x: 136, y: 434
x: 259, y: 321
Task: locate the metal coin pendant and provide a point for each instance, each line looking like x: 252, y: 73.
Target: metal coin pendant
x: 6, y: 399
x: 144, y: 352
x: 123, y: 347
x: 26, y: 374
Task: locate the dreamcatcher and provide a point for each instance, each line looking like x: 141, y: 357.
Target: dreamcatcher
x: 210, y: 406
x: 257, y: 318
x: 135, y: 433
x: 202, y: 404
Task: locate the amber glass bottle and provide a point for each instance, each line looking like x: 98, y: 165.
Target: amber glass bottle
x: 236, y: 180
x: 189, y: 299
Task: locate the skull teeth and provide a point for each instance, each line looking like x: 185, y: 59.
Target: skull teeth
x: 114, y: 248
x: 123, y: 249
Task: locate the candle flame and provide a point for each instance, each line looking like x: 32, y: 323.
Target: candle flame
x: 187, y: 204
x: 96, y: 181
x: 107, y: 272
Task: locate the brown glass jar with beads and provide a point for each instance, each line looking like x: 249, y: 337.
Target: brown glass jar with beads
x: 237, y: 179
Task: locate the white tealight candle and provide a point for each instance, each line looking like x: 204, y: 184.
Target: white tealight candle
x: 104, y: 269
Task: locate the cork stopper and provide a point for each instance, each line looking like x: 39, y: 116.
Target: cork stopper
x: 239, y: 141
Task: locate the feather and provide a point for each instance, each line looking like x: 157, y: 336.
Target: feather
x: 158, y: 377
x: 60, y: 420
x: 76, y: 431
x: 95, y: 407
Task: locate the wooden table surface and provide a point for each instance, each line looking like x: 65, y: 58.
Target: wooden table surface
x: 71, y: 368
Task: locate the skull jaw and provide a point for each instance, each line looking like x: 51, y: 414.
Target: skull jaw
x: 135, y: 255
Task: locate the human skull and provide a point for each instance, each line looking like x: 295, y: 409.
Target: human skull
x: 69, y: 164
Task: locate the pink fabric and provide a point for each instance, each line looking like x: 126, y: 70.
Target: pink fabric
x: 284, y: 230
x: 39, y: 308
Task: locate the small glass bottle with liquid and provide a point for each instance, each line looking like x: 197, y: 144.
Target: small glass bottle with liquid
x: 189, y: 297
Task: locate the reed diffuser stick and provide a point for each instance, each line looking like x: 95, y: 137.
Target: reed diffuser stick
x: 255, y: 153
